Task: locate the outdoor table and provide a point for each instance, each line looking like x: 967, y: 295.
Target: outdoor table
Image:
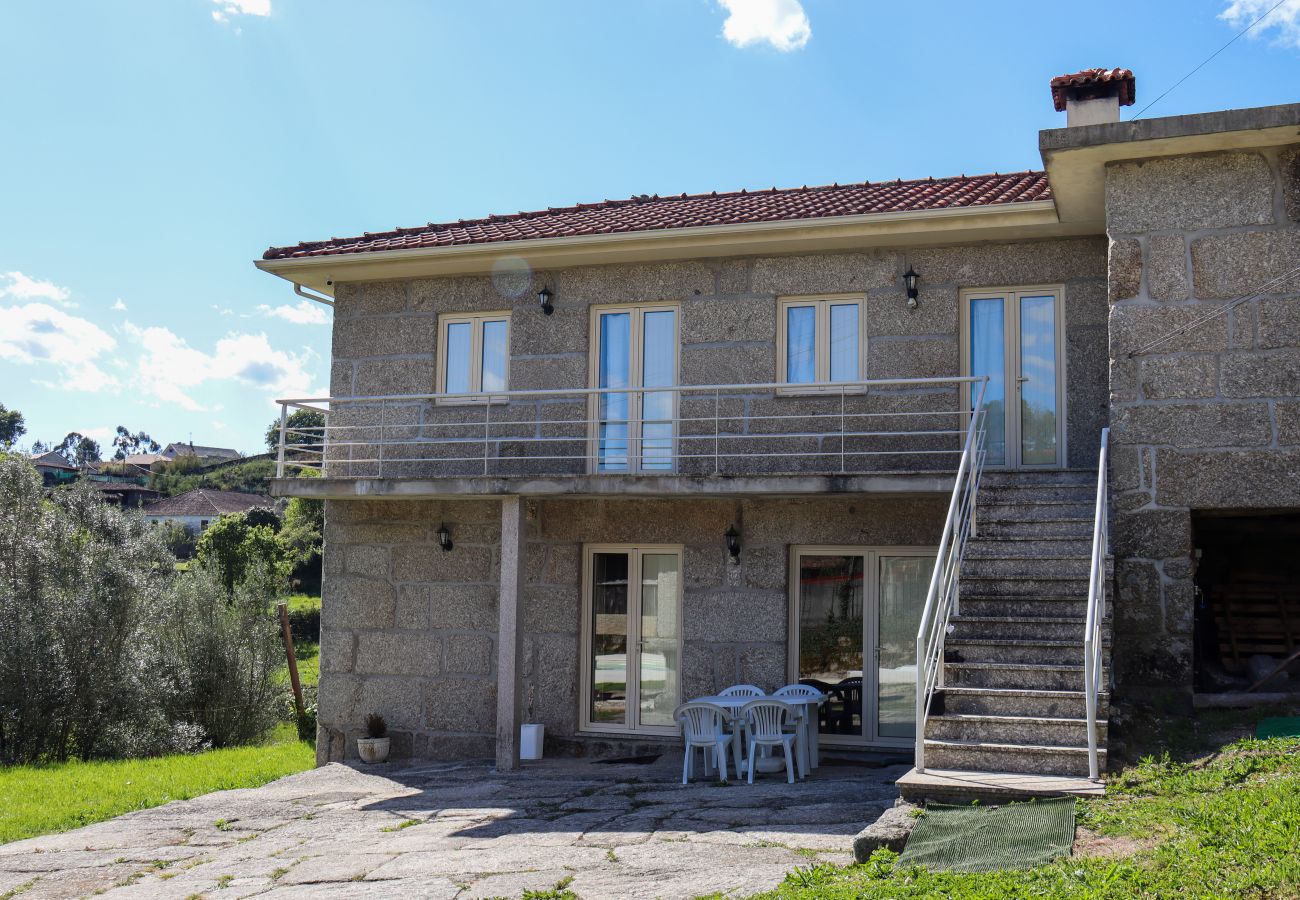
x: 807, y: 725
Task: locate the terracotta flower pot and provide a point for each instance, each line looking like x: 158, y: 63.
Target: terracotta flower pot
x: 373, y: 750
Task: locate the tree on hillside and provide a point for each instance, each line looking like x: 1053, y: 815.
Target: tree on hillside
x: 78, y: 449
x: 128, y: 444
x: 236, y: 551
x: 306, y: 427
x: 11, y: 427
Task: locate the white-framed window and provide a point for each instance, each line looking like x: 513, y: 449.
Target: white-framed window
x: 473, y: 356
x: 631, y: 638
x: 634, y: 346
x: 821, y: 341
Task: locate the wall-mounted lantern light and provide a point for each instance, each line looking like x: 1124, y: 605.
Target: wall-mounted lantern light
x: 444, y: 538
x: 544, y: 298
x: 733, y: 545
x: 910, y: 279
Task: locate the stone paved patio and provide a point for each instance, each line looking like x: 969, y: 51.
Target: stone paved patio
x: 463, y: 831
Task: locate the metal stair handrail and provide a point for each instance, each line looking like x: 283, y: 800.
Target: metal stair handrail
x: 941, y: 600
x: 1092, y: 637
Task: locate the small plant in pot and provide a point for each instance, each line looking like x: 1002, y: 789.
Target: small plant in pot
x: 373, y: 748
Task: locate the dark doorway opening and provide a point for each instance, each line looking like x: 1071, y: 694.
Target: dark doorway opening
x: 1247, y: 600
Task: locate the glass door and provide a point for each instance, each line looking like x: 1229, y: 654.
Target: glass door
x: 856, y: 612
x: 1014, y: 339
x: 636, y: 347
x: 632, y: 639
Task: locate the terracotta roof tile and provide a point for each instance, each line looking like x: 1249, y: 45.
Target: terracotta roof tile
x: 1122, y: 78
x: 655, y: 213
x: 205, y: 502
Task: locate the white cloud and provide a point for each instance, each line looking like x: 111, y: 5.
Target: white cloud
x: 304, y: 312
x: 24, y: 287
x: 63, y: 345
x: 1285, y: 19
x: 119, y: 305
x: 227, y: 9
x: 781, y: 23
x: 169, y: 369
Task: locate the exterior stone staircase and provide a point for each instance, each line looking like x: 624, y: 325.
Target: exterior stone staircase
x: 1013, y: 699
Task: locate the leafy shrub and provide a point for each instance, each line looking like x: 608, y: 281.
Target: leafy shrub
x: 78, y: 580
x: 178, y: 539
x: 221, y: 653
x: 105, y: 650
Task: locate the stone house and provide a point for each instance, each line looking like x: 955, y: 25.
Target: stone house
x: 585, y: 463
x: 199, y: 508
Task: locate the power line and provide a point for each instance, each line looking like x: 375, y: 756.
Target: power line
x: 1208, y: 58
x: 1217, y: 311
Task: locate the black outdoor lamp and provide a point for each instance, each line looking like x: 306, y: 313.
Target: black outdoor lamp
x: 910, y: 278
x: 444, y: 538
x: 544, y: 298
x: 733, y: 544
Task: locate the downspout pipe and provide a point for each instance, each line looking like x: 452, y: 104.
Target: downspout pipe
x: 297, y: 289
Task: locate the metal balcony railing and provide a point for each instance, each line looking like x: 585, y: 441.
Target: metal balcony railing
x: 883, y: 425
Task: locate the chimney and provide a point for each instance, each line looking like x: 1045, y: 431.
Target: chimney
x: 1093, y: 96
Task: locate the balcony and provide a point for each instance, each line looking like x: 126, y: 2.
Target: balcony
x: 707, y: 440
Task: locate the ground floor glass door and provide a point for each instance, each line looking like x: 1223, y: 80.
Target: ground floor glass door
x: 856, y: 612
x: 1014, y: 339
x: 632, y: 638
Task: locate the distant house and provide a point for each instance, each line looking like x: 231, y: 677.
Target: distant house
x: 207, y: 454
x: 199, y: 508
x: 122, y: 492
x: 54, y: 468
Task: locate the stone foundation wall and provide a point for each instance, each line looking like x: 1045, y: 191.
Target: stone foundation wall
x: 410, y: 632
x: 385, y: 334
x: 1209, y: 419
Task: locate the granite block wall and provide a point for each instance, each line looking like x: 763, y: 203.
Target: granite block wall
x: 1206, y: 419
x: 385, y: 342
x: 410, y: 631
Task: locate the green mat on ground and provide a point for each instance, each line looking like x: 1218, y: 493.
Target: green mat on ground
x: 985, y: 838
x: 1281, y: 726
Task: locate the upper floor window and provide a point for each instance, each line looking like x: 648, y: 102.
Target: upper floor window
x: 820, y: 340
x: 473, y: 354
x: 634, y: 348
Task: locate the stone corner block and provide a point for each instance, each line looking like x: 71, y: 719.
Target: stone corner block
x: 1124, y: 269
x: 891, y: 831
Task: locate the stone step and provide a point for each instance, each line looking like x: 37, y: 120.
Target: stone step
x: 1013, y: 650
x: 993, y: 477
x: 987, y: 701
x: 1031, y: 606
x: 995, y: 585
x: 984, y: 545
x: 1044, y: 628
x: 1057, y: 567
x: 1034, y: 676
x: 1037, y: 759
x: 1022, y: 493
x: 999, y: 729
x: 1078, y: 529
x: 961, y: 786
x: 1030, y: 512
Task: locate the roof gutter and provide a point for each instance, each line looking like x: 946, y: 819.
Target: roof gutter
x: 1009, y: 221
x: 297, y: 289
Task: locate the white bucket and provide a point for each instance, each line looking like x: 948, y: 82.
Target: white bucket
x: 530, y: 741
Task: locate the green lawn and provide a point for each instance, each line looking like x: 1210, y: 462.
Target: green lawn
x: 1226, y: 825
x: 45, y: 798
x: 302, y: 603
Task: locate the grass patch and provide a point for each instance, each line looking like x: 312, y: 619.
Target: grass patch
x: 1225, y: 825
x: 41, y: 799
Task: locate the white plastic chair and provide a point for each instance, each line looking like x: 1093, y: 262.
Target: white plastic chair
x: 704, y: 726
x: 766, y: 725
x: 799, y: 694
x: 742, y: 690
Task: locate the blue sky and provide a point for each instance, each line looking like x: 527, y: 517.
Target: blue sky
x: 153, y: 148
